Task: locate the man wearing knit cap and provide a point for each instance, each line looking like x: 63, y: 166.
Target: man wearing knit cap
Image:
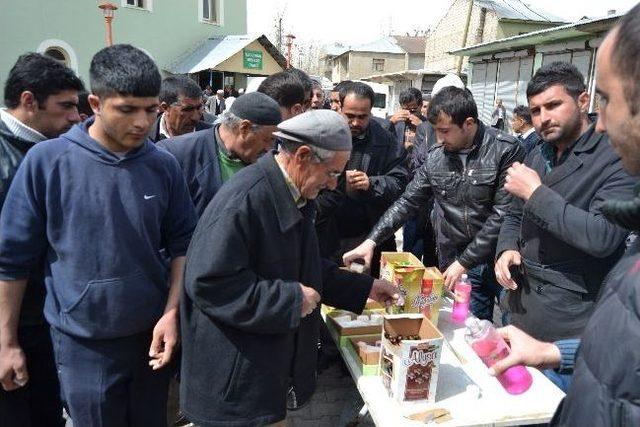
x: 210, y: 157
x: 254, y: 282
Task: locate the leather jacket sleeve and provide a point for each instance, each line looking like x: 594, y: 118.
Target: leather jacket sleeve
x: 483, y: 246
x: 413, y: 199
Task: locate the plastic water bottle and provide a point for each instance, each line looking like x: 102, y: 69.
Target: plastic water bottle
x: 488, y: 344
x: 462, y: 291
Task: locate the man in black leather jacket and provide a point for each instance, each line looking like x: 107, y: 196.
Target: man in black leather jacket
x: 41, y: 96
x: 465, y: 172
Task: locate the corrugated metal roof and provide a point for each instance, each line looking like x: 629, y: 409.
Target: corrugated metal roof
x: 211, y: 52
x: 562, y: 32
x: 518, y: 11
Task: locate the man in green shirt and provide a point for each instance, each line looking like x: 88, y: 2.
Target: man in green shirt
x: 211, y: 157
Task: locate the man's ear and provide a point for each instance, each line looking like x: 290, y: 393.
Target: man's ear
x: 28, y: 101
x: 163, y: 107
x: 583, y: 102
x: 469, y: 121
x: 297, y: 109
x: 245, y: 127
x: 303, y: 154
x: 94, y: 103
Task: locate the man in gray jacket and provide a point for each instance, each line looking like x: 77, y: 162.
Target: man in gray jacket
x: 555, y: 233
x: 606, y: 386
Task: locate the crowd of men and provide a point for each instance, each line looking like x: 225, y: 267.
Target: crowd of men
x: 145, y: 238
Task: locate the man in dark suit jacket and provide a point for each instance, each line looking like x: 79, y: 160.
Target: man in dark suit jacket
x: 180, y: 109
x: 211, y: 157
x: 523, y: 126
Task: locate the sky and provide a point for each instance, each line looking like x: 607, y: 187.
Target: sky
x: 352, y: 22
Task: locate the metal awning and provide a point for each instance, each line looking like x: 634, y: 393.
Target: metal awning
x: 401, y: 75
x: 583, y: 28
x: 210, y: 53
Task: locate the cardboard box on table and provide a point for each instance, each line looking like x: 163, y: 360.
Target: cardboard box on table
x: 420, y: 287
x: 410, y: 368
x: 368, y: 359
x: 342, y: 334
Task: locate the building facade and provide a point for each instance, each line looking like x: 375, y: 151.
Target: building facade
x: 490, y: 20
x: 74, y: 30
x: 502, y: 69
x: 386, y: 55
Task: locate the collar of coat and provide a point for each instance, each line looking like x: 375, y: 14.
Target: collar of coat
x: 287, y: 212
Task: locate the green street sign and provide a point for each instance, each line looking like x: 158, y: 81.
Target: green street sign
x: 252, y: 59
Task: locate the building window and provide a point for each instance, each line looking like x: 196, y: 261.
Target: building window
x: 210, y: 11
x: 60, y: 51
x: 58, y: 54
x: 378, y: 64
x: 138, y: 4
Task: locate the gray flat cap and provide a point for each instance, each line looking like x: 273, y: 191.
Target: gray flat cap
x: 258, y: 108
x: 321, y: 128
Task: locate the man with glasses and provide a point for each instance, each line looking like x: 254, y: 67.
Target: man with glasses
x: 254, y: 282
x: 211, y: 156
x: 181, y: 107
x: 407, y: 119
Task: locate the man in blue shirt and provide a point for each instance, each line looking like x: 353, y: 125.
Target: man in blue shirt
x: 100, y: 204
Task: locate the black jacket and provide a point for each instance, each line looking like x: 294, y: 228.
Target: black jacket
x: 155, y: 135
x: 531, y: 141
x: 472, y: 197
x: 244, y: 342
x: 12, y: 151
x: 343, y: 215
x: 197, y: 153
x: 567, y: 245
x: 605, y: 389
x: 425, y: 139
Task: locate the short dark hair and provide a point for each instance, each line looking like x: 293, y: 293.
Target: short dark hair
x: 359, y: 89
x: 284, y: 88
x: 456, y: 103
x: 304, y: 79
x: 173, y: 87
x: 626, y: 57
x: 316, y: 84
x: 340, y: 86
x: 557, y: 73
x: 122, y: 69
x: 83, y: 104
x: 426, y: 97
x: 523, y: 112
x: 409, y: 95
x: 41, y: 75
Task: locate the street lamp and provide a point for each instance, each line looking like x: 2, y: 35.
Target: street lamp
x: 108, y: 11
x: 289, y: 38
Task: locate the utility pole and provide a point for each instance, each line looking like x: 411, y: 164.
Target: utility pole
x: 290, y: 38
x: 279, y: 34
x: 464, y: 36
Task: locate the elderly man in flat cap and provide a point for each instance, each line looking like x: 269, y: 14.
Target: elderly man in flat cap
x: 210, y: 157
x: 254, y: 279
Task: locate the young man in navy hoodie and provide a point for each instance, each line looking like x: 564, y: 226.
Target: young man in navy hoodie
x: 100, y: 203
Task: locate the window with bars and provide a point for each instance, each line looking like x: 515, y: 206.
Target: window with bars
x: 138, y: 4
x: 378, y: 64
x: 210, y: 11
